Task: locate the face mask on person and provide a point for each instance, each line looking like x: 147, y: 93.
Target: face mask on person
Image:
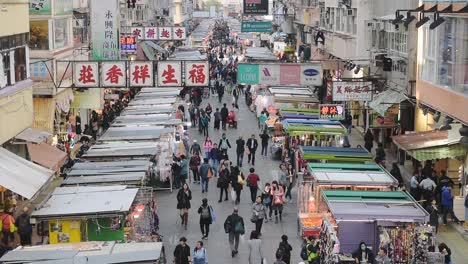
x: 363, y: 247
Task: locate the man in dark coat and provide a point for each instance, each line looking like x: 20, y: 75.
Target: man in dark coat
x: 224, y: 116
x: 252, y: 145
x: 240, y: 150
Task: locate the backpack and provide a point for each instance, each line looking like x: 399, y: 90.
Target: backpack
x: 239, y: 227
x: 205, y: 213
x: 304, y: 252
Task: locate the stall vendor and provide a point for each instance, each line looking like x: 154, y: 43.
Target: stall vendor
x: 363, y: 255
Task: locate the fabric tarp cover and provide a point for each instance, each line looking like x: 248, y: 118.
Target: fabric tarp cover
x: 47, y: 156
x: 430, y: 145
x: 21, y: 176
x: 385, y: 100
x: 33, y: 135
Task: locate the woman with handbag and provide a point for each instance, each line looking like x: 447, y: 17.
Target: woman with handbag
x: 267, y: 199
x: 237, y: 182
x: 183, y: 203
x: 258, y: 214
x: 223, y: 182
x: 194, y: 163
x: 277, y: 193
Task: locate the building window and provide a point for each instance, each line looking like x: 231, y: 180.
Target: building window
x: 39, y: 35
x: 445, y: 55
x: 61, y: 33
x: 397, y: 42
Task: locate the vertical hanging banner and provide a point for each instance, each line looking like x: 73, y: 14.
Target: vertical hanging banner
x: 165, y: 33
x: 113, y: 74
x: 178, y: 33
x: 169, y: 73
x: 141, y: 74
x: 86, y: 74
x: 105, y: 22
x: 196, y: 73
x: 151, y: 33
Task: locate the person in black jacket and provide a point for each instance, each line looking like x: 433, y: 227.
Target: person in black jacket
x: 252, y: 145
x: 368, y: 140
x: 363, y: 254
x: 396, y: 173
x: 236, y: 185
x: 205, y: 218
x: 224, y: 116
x: 224, y: 143
x: 183, y: 203
x: 234, y: 226
x: 24, y: 227
x: 240, y: 151
x: 182, y: 252
x: 285, y: 249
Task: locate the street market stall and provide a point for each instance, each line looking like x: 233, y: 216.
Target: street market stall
x: 303, y: 132
x: 335, y: 176
x: 96, y: 213
x: 334, y: 154
x: 392, y: 220
x: 137, y: 133
x: 299, y: 113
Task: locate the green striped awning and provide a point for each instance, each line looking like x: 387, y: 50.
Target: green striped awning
x: 440, y: 152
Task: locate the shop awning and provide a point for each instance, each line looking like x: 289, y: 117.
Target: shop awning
x: 21, y: 176
x: 385, y: 100
x: 156, y: 47
x: 47, y: 156
x: 33, y: 135
x: 430, y: 145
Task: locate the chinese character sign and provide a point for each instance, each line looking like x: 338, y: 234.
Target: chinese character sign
x: 151, y: 33
x: 196, y: 73
x: 141, y: 74
x: 86, y: 74
x: 178, y: 33
x: 138, y: 32
x: 104, y: 17
x: 352, y: 91
x: 113, y: 74
x: 170, y: 73
x: 332, y: 111
x: 128, y: 44
x: 165, y: 33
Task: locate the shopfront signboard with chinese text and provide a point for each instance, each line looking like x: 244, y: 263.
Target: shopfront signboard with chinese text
x: 256, y: 26
x: 113, y: 74
x: 308, y: 74
x: 255, y: 7
x: 104, y: 34
x: 352, y: 91
x: 138, y: 32
x: 332, y: 111
x: 179, y: 33
x: 159, y: 33
x: 169, y: 73
x: 197, y: 73
x: 165, y: 33
x: 39, y: 7
x: 141, y: 74
x: 128, y: 44
x: 86, y: 74
x: 150, y: 33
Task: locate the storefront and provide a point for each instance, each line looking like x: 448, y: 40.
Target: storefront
x: 50, y: 114
x: 392, y: 220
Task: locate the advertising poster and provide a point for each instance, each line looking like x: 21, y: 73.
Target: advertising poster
x: 248, y: 73
x: 269, y: 74
x: 39, y: 7
x: 255, y: 7
x: 104, y: 35
x: 290, y: 74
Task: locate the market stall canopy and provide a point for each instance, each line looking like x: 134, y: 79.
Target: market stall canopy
x: 33, y: 135
x: 156, y: 94
x: 86, y: 253
x: 148, y: 111
x: 135, y: 133
x: 296, y: 127
x: 343, y: 166
x: 127, y: 178
x: 430, y: 145
x: 363, y: 178
x: 297, y: 90
x: 47, y: 155
x: 141, y: 119
x: 188, y: 56
x: 157, y: 101
x: 87, y: 200
x: 299, y: 113
x: 292, y: 98
x: 382, y: 101
x: 335, y: 154
x: 156, y: 89
x: 21, y: 176
x: 261, y: 54
x: 141, y: 164
x: 164, y: 123
x: 395, y: 206
x: 115, y: 150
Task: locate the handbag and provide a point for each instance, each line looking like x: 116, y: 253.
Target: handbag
x: 254, y: 218
x: 240, y: 180
x: 210, y: 173
x: 233, y: 194
x: 213, y: 215
x: 247, y: 151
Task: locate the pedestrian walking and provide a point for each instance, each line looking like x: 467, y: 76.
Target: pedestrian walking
x: 24, y: 227
x: 255, y: 249
x: 183, y: 203
x: 215, y: 156
x: 415, y: 187
x: 183, y: 169
x: 261, y: 121
x: 176, y: 170
x: 240, y: 149
x: 363, y: 254
x: 290, y: 181
x: 223, y: 182
x: 433, y: 211
x: 194, y: 165
x: 224, y: 143
x: 204, y: 123
x: 234, y: 226
x: 267, y: 200
x: 199, y: 254
x: 205, y: 211
x: 252, y: 182
x: 235, y: 94
x: 195, y: 148
x: 277, y: 193
x: 258, y: 214
x: 252, y: 145
x: 447, y: 205
x: 380, y: 155
x: 265, y: 138
x: 368, y: 140
x: 204, y: 172
x: 207, y: 146
x: 237, y: 182
x: 208, y: 110
x: 220, y: 93
x: 217, y: 119
x: 224, y: 116
x: 396, y: 173
x: 8, y: 228
x: 182, y: 252
x: 284, y: 250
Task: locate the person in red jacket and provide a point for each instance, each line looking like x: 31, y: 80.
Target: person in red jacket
x: 277, y: 193
x: 252, y: 181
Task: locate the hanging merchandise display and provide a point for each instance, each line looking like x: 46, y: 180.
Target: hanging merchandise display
x: 329, y: 243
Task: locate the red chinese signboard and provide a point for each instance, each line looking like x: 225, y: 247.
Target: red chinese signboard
x: 165, y: 33
x: 196, y: 73
x: 332, y: 111
x: 86, y: 74
x: 141, y: 74
x: 151, y: 33
x: 169, y: 73
x: 178, y: 33
x: 138, y: 32
x: 113, y: 74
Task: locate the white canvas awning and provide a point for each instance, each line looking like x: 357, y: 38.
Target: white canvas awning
x: 21, y: 176
x: 33, y: 135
